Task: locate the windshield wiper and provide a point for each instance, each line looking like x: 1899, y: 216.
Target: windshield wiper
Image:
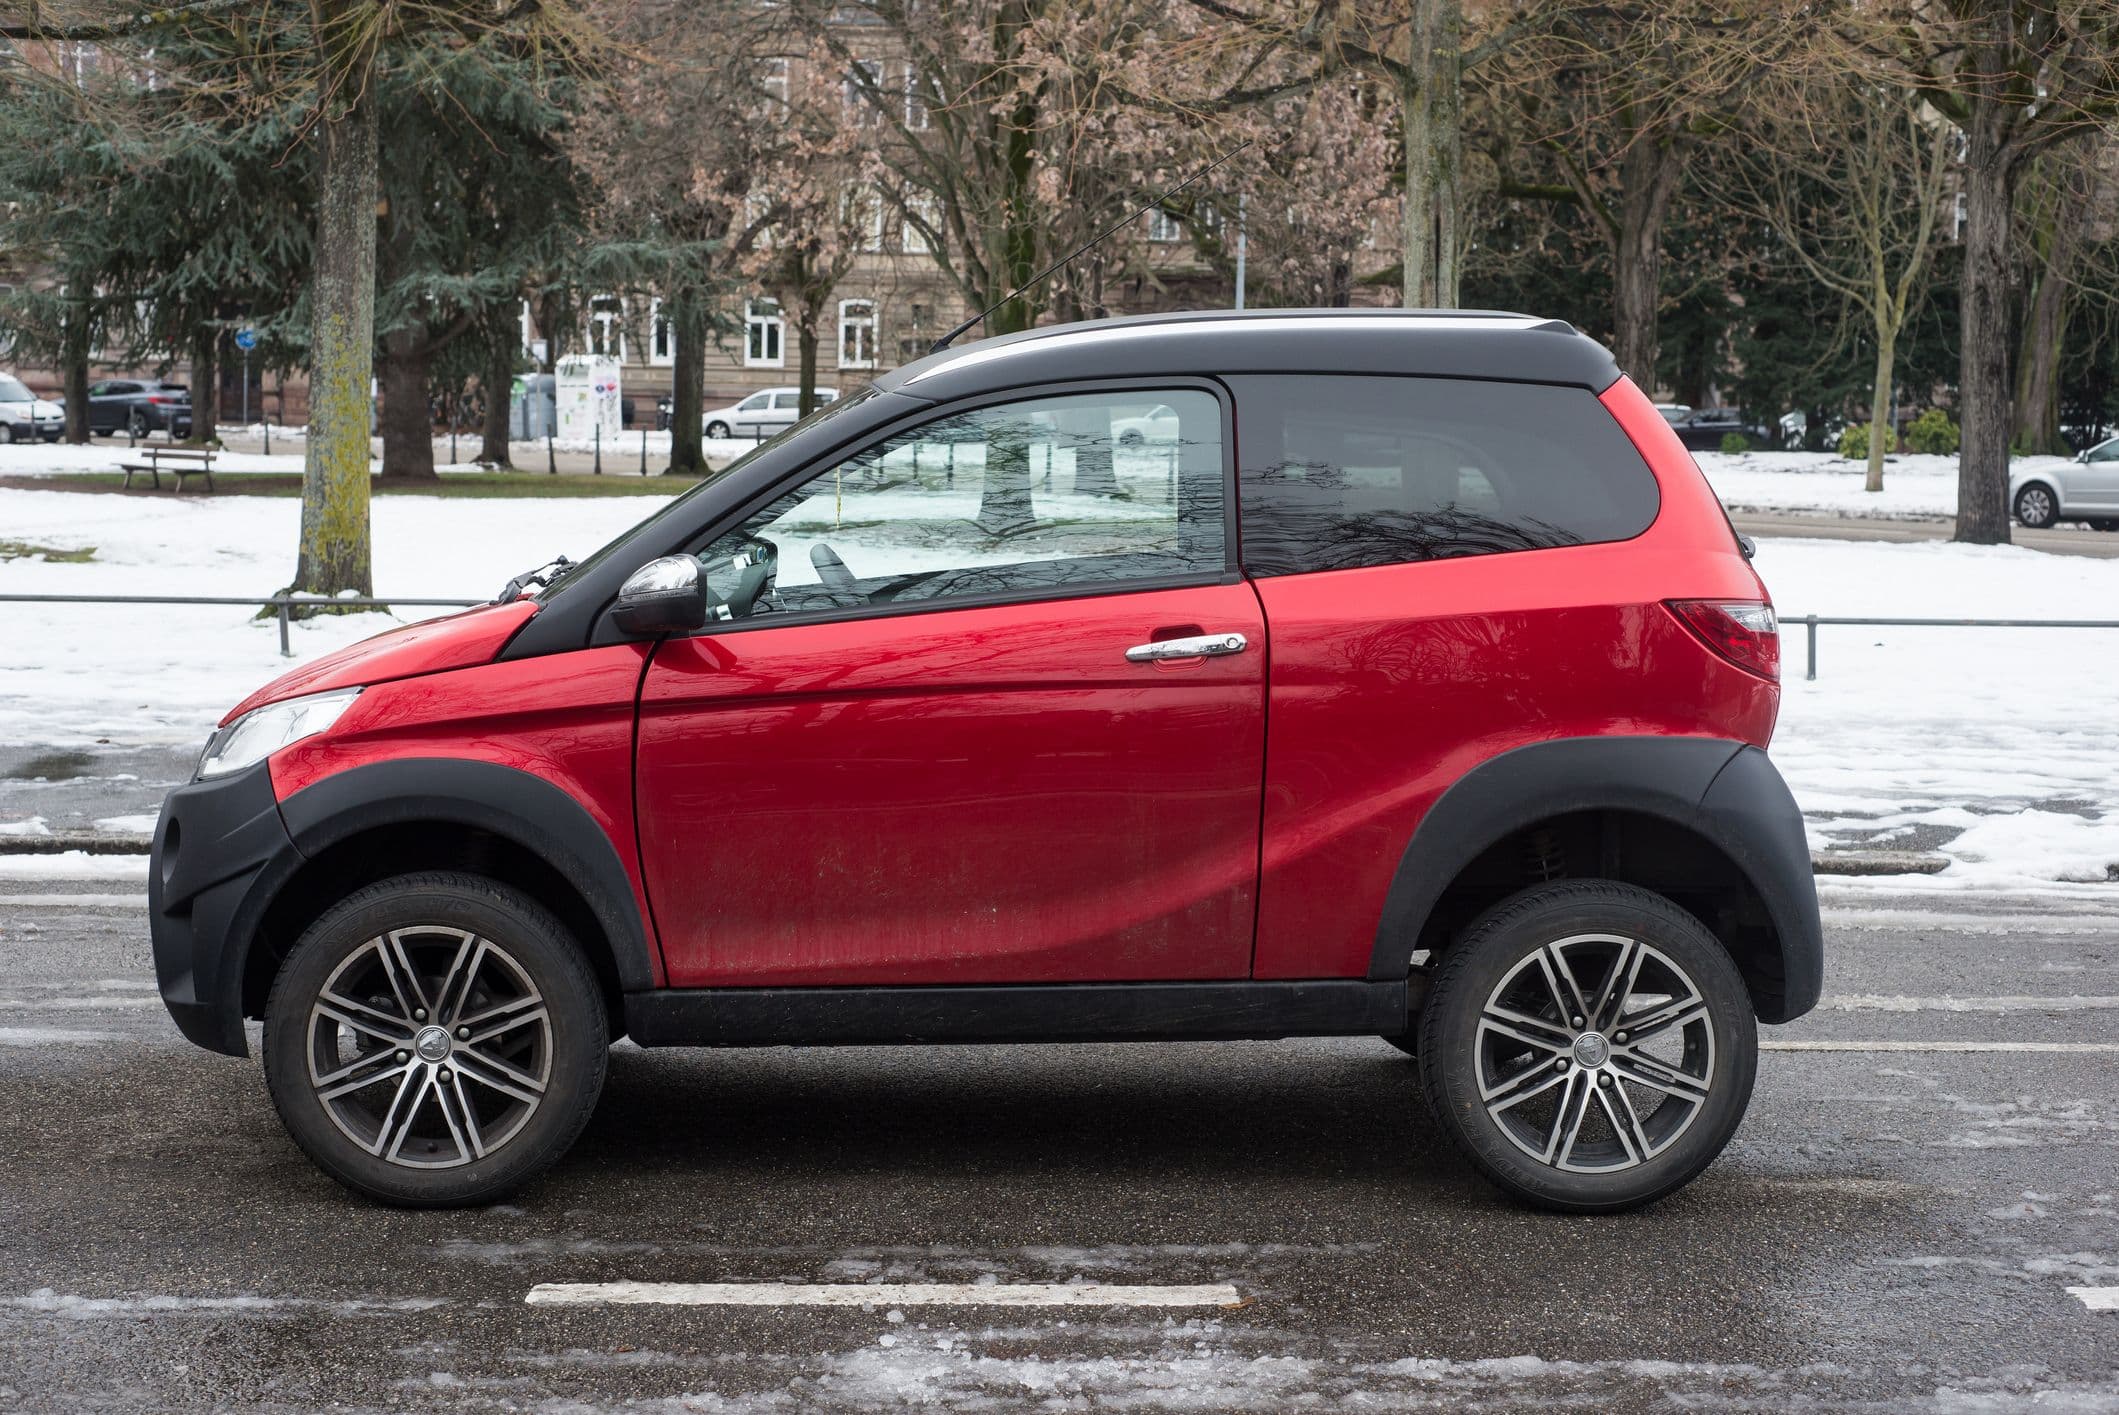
x: 543, y: 575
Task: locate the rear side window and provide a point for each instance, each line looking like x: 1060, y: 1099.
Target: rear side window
x: 1339, y: 472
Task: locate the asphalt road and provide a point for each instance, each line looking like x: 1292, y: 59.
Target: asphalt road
x: 1892, y: 1229
x: 2069, y: 539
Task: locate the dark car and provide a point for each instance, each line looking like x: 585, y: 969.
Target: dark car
x: 1415, y: 688
x: 138, y: 406
x: 1702, y: 429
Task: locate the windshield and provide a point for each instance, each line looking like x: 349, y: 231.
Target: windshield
x: 669, y: 507
x: 13, y: 390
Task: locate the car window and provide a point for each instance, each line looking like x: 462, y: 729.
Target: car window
x: 1340, y: 472
x: 13, y: 389
x: 753, y: 403
x: 825, y: 395
x: 98, y: 390
x: 787, y: 400
x: 1026, y: 496
x: 2108, y: 452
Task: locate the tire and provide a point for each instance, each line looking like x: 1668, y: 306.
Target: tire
x: 717, y: 429
x: 2104, y: 523
x: 137, y: 424
x: 2036, y: 506
x: 7, y: 434
x: 1505, y: 1097
x: 478, y: 1127
x: 1131, y: 437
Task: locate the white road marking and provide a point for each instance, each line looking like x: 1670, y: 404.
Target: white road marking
x: 74, y: 901
x: 880, y: 1294
x: 2098, y: 1299
x: 2064, y: 1048
x: 1880, y: 1002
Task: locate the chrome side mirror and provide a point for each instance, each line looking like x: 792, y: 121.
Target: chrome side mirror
x: 664, y: 596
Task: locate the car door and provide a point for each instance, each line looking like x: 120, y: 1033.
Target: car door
x: 947, y: 731
x: 786, y: 408
x: 2094, y: 481
x: 752, y: 413
x: 109, y: 402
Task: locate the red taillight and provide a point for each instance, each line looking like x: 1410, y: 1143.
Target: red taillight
x: 1743, y: 631
x: 158, y: 398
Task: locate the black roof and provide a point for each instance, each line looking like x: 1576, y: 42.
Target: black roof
x: 1490, y: 344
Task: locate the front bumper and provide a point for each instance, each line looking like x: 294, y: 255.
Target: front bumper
x: 221, y: 852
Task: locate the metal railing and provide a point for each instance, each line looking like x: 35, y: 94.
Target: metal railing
x: 283, y: 605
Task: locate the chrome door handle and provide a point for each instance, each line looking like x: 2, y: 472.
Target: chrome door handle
x: 1198, y: 646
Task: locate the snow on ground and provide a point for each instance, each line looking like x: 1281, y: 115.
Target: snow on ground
x: 1825, y: 482
x: 1999, y: 746
x: 108, y: 454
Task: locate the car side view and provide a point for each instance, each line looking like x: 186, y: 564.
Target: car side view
x: 1413, y: 686
x: 2088, y: 490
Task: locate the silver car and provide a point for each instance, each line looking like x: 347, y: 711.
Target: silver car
x: 2087, y: 491
x: 762, y: 414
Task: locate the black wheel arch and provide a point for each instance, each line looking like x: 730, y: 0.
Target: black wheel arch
x: 1705, y: 821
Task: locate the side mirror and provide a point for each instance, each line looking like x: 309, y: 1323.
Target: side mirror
x: 664, y: 596
x: 2083, y: 455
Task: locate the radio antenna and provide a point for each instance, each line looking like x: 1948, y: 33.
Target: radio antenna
x: 943, y: 342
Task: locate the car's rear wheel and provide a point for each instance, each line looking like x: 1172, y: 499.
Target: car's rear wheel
x: 137, y: 423
x: 1589, y: 1045
x: 435, y: 1040
x: 717, y: 429
x: 2035, y: 506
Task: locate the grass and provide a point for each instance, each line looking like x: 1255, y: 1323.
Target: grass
x: 29, y: 550
x: 455, y: 486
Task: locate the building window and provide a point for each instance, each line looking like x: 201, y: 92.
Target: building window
x: 762, y: 330
x: 857, y: 334
x: 919, y: 94
x: 861, y: 215
x: 1163, y: 228
x: 772, y: 77
x: 862, y: 81
x: 606, y: 328
x: 922, y: 214
x: 661, y: 339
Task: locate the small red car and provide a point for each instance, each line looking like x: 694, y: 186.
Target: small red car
x: 1271, y: 674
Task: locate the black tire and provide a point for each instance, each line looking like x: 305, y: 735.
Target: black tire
x: 2037, y: 506
x: 1497, y: 963
x: 2103, y: 523
x: 530, y: 964
x: 137, y: 424
x: 717, y: 429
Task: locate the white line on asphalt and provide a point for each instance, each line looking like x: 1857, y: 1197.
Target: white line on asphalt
x: 2098, y: 1299
x: 884, y: 1294
x: 74, y: 901
x: 2076, y: 1048
x: 1879, y: 1002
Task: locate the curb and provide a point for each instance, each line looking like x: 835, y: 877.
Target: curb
x: 87, y: 842
x: 1877, y: 862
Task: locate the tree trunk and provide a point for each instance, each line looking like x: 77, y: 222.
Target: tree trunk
x: 205, y: 384
x: 1088, y: 432
x: 74, y: 357
x: 1880, y: 405
x: 1430, y: 99
x: 498, y: 385
x: 1004, y: 496
x: 408, y: 432
x: 806, y: 342
x: 1986, y: 338
x: 687, y: 385
x: 1648, y: 176
x: 2045, y: 320
x: 334, y: 546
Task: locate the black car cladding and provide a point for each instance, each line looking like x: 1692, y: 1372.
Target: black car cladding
x: 1465, y: 344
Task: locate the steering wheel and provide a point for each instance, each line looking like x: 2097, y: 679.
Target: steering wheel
x: 757, y: 564
x: 831, y: 570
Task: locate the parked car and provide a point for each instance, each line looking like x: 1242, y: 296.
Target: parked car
x: 139, y: 407
x: 24, y: 417
x: 2088, y: 490
x: 904, y: 758
x: 1702, y: 429
x: 1158, y: 424
x: 762, y: 414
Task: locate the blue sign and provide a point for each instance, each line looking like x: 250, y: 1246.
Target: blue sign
x: 246, y: 338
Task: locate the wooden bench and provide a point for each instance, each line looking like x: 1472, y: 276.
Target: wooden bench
x: 179, y: 462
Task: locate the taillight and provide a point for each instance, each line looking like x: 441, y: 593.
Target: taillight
x: 158, y: 399
x: 1743, y: 631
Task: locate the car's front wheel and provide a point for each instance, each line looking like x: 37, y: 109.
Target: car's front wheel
x: 7, y: 434
x: 2035, y: 506
x: 435, y: 1040
x: 1589, y: 1045
x: 717, y: 429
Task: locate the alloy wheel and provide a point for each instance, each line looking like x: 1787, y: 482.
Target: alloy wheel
x: 1595, y: 1053
x: 429, y: 1047
x: 2035, y: 507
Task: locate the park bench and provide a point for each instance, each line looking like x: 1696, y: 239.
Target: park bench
x: 179, y: 462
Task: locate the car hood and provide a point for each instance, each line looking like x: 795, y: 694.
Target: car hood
x: 45, y: 408
x: 430, y: 646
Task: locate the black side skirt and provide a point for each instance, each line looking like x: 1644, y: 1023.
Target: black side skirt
x: 1059, y: 1012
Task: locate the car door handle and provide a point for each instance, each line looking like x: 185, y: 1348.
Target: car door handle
x: 1198, y: 646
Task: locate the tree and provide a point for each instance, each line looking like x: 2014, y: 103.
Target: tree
x: 1849, y: 177
x: 2017, y: 78
x: 2060, y: 200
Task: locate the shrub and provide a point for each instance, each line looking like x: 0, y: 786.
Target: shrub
x: 1854, y: 442
x: 1733, y: 442
x: 1933, y: 432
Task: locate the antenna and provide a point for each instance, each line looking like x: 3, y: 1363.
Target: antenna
x: 943, y: 342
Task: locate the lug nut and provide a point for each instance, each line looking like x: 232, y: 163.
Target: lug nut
x: 404, y: 1056
x: 1618, y: 1036
x: 1604, y: 1078
x: 463, y: 1034
x: 445, y: 1073
x: 419, y: 1014
x: 1578, y: 1021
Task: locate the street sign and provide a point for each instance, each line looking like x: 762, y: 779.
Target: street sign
x: 246, y: 338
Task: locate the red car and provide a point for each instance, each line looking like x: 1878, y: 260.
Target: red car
x: 1416, y: 687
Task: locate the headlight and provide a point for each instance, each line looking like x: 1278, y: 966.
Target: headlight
x: 257, y: 735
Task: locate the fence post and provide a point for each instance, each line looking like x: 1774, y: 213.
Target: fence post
x: 1810, y: 633
x: 599, y: 448
x: 286, y: 649
x: 643, y: 451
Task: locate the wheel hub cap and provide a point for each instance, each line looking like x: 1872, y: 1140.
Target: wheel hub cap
x: 432, y: 1044
x: 1590, y: 1049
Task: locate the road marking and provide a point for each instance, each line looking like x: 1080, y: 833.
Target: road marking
x: 880, y: 1294
x: 1879, y: 1002
x: 75, y: 901
x: 2098, y: 1299
x: 2082, y: 1048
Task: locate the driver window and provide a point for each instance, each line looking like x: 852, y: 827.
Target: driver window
x: 754, y: 403
x: 1045, y: 494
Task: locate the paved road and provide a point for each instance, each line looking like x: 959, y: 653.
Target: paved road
x: 2069, y: 539
x: 1892, y: 1229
